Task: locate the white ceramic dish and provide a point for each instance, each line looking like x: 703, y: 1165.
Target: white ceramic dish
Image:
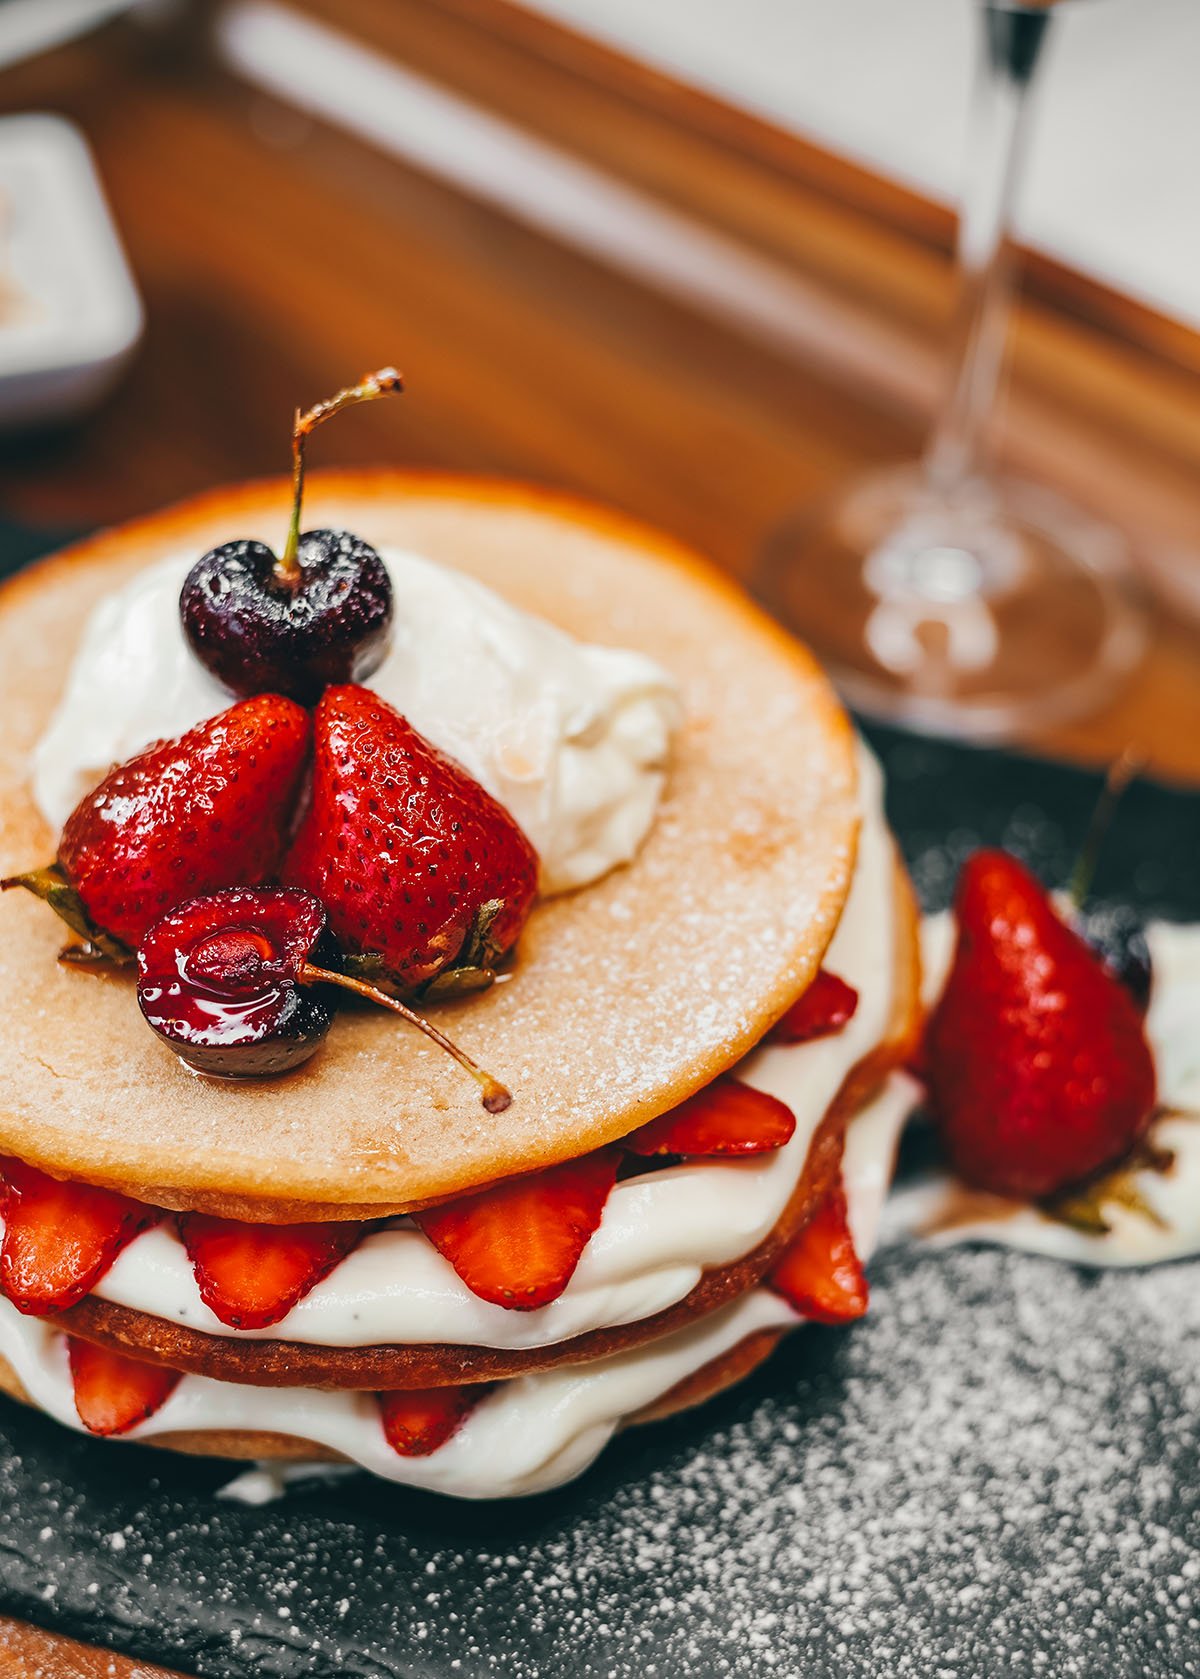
x: 70, y: 314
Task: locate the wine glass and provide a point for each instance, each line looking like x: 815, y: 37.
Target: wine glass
x: 937, y: 594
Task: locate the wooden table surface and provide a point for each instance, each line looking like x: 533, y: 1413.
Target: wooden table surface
x: 278, y: 256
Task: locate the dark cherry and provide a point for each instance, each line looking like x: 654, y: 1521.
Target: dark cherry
x: 319, y: 613
x: 1118, y: 936
x: 241, y: 984
x: 219, y: 980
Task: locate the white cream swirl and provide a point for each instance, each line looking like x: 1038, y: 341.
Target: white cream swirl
x: 573, y: 739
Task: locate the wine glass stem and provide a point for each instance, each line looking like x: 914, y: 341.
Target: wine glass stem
x: 1011, y: 44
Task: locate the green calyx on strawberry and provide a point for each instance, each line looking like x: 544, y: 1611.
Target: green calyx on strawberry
x: 210, y: 809
x: 427, y: 879
x: 1036, y: 1056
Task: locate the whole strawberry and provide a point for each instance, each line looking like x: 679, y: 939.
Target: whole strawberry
x: 1039, y: 1070
x: 210, y: 809
x: 423, y: 873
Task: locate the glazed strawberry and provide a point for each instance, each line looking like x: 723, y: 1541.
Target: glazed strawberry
x: 114, y: 1393
x: 60, y: 1238
x: 726, y: 1117
x: 827, y: 1005
x: 251, y: 1275
x: 820, y: 1273
x: 1037, y: 1061
x: 420, y: 869
x: 212, y: 808
x: 518, y: 1244
x: 419, y: 1420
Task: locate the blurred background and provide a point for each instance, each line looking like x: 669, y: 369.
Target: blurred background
x: 692, y: 258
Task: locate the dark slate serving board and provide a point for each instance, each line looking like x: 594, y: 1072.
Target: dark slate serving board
x: 996, y: 1473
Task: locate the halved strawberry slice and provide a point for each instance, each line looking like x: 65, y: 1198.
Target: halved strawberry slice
x: 518, y: 1244
x: 726, y: 1117
x: 114, y: 1393
x: 251, y: 1275
x: 60, y: 1238
x: 820, y: 1273
x: 419, y: 1420
x: 824, y: 1008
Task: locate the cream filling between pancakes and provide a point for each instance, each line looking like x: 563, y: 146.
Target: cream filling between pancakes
x: 528, y: 1434
x: 659, y: 1233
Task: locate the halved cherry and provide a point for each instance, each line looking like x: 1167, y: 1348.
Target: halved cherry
x: 114, y: 1393
x: 726, y: 1117
x: 820, y: 1274
x: 419, y: 1420
x: 827, y: 1006
x: 60, y: 1238
x: 251, y: 1275
x: 240, y: 984
x: 518, y: 1243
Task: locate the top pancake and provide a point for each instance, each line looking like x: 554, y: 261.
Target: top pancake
x: 626, y: 996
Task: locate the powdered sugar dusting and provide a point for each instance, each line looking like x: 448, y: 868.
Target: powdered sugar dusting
x: 995, y: 1473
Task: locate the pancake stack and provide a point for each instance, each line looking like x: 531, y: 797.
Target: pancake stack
x: 708, y: 963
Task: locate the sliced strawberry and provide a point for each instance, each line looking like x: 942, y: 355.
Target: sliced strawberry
x: 824, y: 1008
x: 726, y: 1117
x: 419, y: 1420
x: 251, y: 1275
x: 60, y: 1238
x: 518, y: 1244
x: 114, y: 1393
x: 820, y: 1273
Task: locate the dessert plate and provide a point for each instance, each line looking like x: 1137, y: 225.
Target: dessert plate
x: 996, y: 1472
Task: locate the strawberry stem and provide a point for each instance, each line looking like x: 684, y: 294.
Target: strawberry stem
x: 495, y: 1097
x: 1123, y: 769
x: 371, y: 385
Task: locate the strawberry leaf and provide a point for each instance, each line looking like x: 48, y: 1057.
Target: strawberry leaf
x: 1083, y: 1209
x: 52, y: 886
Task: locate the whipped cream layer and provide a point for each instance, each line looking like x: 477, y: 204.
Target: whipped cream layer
x: 659, y: 1233
x: 1168, y: 1225
x: 573, y: 739
x: 529, y: 1434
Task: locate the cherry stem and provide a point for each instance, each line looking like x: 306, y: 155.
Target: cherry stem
x: 371, y: 385
x: 1123, y: 769
x: 495, y: 1097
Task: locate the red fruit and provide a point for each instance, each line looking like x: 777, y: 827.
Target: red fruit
x: 251, y: 1275
x: 114, y: 1393
x: 824, y: 1008
x: 726, y: 1117
x: 60, y: 1238
x: 415, y: 862
x: 518, y: 1244
x: 1038, y: 1066
x: 210, y: 809
x: 820, y: 1273
x: 419, y: 1420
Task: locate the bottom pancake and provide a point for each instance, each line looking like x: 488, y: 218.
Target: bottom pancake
x: 283, y: 1363
x: 257, y: 1446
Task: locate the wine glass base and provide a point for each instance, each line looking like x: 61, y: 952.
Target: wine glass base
x: 979, y: 611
